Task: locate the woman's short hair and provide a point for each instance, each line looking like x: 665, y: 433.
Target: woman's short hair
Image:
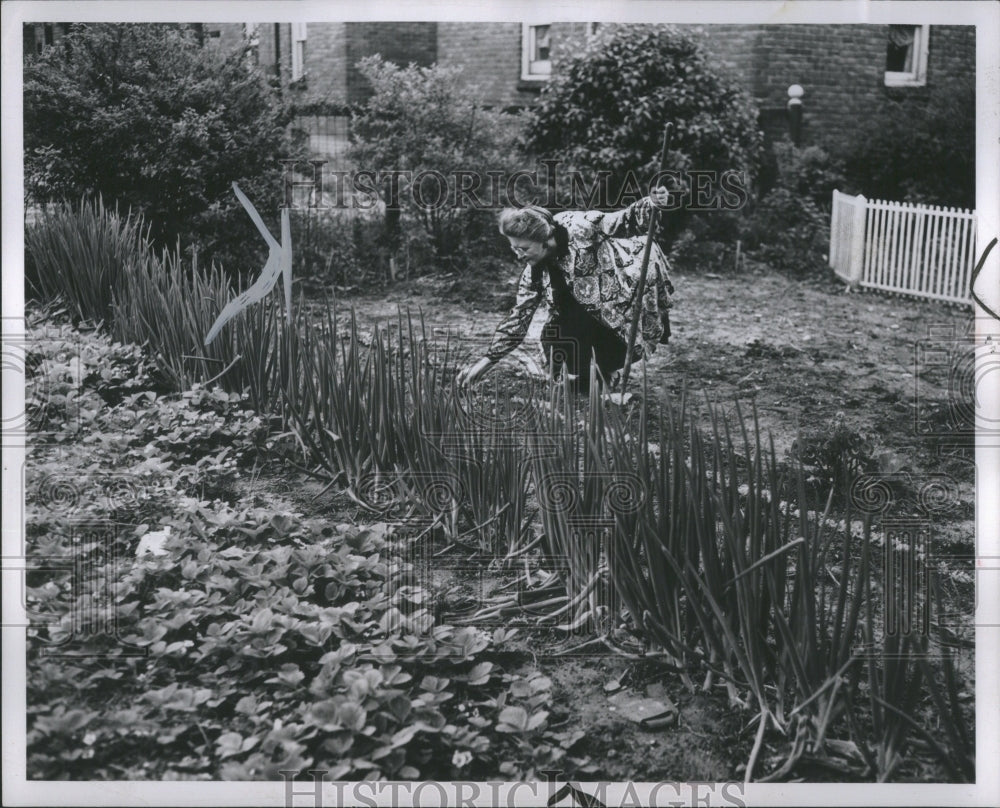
x: 532, y: 223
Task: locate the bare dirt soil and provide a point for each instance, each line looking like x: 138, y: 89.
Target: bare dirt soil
x: 799, y: 351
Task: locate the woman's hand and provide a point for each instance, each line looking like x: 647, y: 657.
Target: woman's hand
x: 473, y: 373
x: 669, y: 194
x: 661, y: 196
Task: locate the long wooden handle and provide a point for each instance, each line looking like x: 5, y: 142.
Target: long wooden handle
x: 641, y: 287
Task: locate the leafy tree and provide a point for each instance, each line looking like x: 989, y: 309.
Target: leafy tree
x: 605, y: 108
x: 425, y: 123
x: 143, y: 116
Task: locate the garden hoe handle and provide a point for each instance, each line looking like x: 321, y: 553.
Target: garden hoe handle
x: 641, y: 287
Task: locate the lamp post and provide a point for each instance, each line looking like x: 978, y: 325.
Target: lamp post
x: 795, y: 93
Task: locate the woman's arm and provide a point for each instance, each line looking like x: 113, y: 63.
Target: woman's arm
x: 633, y: 220
x: 511, y: 331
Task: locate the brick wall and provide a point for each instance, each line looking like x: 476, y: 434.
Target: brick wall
x: 231, y: 36
x: 275, y: 39
x: 326, y: 61
x: 840, y: 67
x: 325, y: 55
x: 952, y: 55
x: 731, y: 48
x: 36, y: 36
x: 490, y: 55
x: 226, y: 35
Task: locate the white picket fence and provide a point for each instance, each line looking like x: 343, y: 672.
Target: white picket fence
x: 921, y: 250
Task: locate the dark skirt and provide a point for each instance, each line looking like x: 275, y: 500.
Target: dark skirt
x: 573, y: 338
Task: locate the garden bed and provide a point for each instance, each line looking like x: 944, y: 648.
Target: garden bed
x: 245, y: 564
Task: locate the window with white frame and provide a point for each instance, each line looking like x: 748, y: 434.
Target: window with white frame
x: 536, y: 60
x: 906, y: 55
x: 298, y: 50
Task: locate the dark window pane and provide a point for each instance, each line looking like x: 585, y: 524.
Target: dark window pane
x: 899, y: 51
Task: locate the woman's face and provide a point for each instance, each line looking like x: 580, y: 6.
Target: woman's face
x: 527, y: 250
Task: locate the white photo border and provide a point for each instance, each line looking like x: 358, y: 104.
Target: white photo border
x: 984, y: 14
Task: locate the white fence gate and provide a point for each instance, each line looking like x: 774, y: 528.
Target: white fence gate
x: 921, y: 250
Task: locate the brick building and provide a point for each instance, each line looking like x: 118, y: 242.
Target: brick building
x: 846, y: 72
x: 36, y: 36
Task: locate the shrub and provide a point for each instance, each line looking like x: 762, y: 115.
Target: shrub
x: 808, y: 171
x: 788, y: 232
x: 605, y: 109
x: 337, y: 247
x: 789, y: 227
x: 143, y: 116
x: 834, y: 453
x: 919, y: 149
x: 708, y: 243
x: 422, y: 119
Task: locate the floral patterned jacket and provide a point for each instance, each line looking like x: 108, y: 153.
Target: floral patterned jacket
x: 601, y: 266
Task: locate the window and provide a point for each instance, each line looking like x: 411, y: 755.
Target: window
x: 536, y: 62
x: 298, y: 50
x: 906, y: 56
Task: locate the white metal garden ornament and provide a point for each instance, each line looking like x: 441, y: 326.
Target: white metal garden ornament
x: 279, y: 262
